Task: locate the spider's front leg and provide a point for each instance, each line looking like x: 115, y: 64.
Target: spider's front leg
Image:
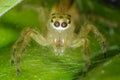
x: 22, y: 42
x: 82, y: 40
x: 91, y: 28
x: 84, y: 33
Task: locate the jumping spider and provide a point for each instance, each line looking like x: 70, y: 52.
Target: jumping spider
x: 61, y: 34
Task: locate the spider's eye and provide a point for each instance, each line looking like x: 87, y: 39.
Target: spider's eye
x: 56, y: 24
x: 69, y: 21
x: 64, y: 24
x: 51, y: 20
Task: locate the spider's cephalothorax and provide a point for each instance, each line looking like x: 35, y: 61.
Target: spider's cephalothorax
x: 59, y: 26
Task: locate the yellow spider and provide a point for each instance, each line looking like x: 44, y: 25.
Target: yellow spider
x: 61, y: 33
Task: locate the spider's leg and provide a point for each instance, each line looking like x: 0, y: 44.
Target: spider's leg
x: 91, y: 28
x: 84, y: 32
x: 83, y: 41
x: 87, y: 56
x: 17, y: 44
x: 101, y: 39
x: 22, y: 42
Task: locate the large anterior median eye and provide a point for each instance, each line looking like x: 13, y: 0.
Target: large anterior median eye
x: 56, y: 24
x: 64, y: 24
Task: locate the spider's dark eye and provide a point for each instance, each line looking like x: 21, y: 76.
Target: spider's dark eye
x: 56, y: 24
x: 64, y: 24
x: 69, y: 21
x: 51, y: 20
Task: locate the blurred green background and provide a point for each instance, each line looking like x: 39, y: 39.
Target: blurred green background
x: 40, y: 63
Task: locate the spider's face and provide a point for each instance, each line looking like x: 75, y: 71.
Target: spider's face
x: 60, y: 22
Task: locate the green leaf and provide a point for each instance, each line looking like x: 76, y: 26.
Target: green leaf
x: 6, y: 5
x: 40, y: 63
x: 108, y: 70
x: 7, y: 35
